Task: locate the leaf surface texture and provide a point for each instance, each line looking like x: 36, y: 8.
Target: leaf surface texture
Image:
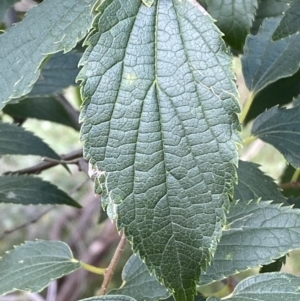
x: 138, y: 283
x: 234, y: 18
x: 290, y: 23
x: 257, y: 233
x: 25, y: 46
x: 159, y: 124
x: 29, y: 190
x: 14, y: 140
x: 265, y: 61
x: 281, y: 128
x: 33, y: 265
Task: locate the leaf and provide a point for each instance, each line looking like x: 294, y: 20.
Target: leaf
x: 281, y: 92
x: 281, y: 128
x: 166, y: 115
x: 290, y: 23
x: 109, y: 298
x: 59, y: 28
x: 265, y: 287
x: 15, y: 140
x: 258, y: 233
x: 253, y: 184
x: 234, y: 18
x: 4, y: 6
x: 268, y: 9
x: 29, y: 190
x: 33, y: 265
x: 42, y: 108
x: 266, y: 61
x: 59, y: 72
x: 138, y: 283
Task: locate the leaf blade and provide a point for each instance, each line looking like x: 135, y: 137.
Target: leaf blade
x: 265, y: 61
x: 157, y: 111
x: 138, y: 283
x: 253, y: 184
x: 280, y: 127
x: 47, y: 38
x: 15, y: 140
x: 290, y: 23
x: 29, y: 190
x: 234, y: 18
x: 258, y: 233
x: 37, y: 264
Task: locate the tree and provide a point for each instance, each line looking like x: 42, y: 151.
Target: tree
x: 160, y: 129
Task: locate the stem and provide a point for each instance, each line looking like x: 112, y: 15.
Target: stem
x: 36, y: 169
x: 295, y: 175
x: 112, y: 266
x: 246, y: 107
x: 248, y: 140
x: 92, y: 268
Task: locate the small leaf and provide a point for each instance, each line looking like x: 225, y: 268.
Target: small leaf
x: 290, y: 23
x: 45, y: 30
x: 32, y: 266
x: 167, y: 122
x: 234, y: 18
x: 45, y: 108
x: 268, y: 9
x: 281, y: 128
x: 59, y: 72
x: 265, y: 287
x: 253, y: 184
x: 266, y: 61
x: 138, y: 283
x: 4, y: 6
x: 258, y: 233
x: 15, y: 140
x: 29, y: 190
x: 110, y: 298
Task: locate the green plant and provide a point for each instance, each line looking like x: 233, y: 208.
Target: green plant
x: 161, y: 132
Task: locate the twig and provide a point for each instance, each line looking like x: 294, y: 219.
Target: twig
x: 290, y: 185
x: 112, y: 266
x: 73, y: 114
x: 46, y: 159
x: 32, y: 221
x: 36, y: 169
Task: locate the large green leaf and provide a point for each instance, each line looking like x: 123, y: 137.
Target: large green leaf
x: 59, y: 72
x: 234, y: 18
x: 281, y: 128
x: 160, y: 124
x: 268, y: 9
x: 15, y: 140
x: 138, y: 283
x: 46, y: 29
x: 266, y: 61
x: 33, y: 265
x: 29, y: 190
x: 42, y: 108
x: 290, y: 23
x: 253, y: 184
x: 257, y: 234
x: 265, y: 287
x: 4, y: 6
